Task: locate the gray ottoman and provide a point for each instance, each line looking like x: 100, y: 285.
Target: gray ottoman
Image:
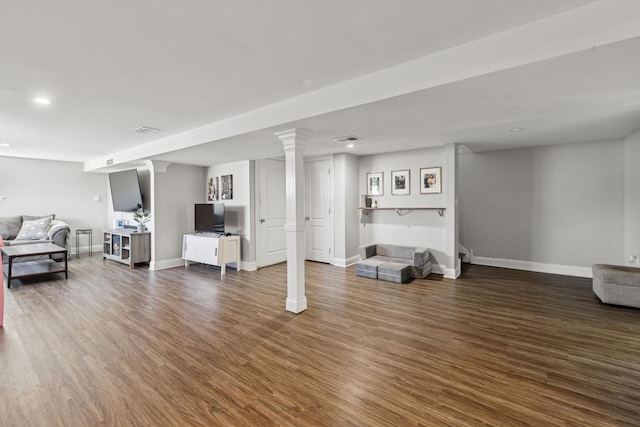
x: 368, y: 268
x: 616, y: 284
x: 393, y: 272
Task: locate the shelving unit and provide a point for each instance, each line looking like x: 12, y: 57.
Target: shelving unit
x: 126, y: 246
x: 399, y: 210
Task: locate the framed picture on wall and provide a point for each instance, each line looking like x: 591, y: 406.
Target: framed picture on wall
x: 226, y: 190
x: 212, y: 189
x: 374, y: 184
x: 431, y: 180
x: 400, y: 185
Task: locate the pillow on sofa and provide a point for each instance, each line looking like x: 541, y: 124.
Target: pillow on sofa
x: 10, y: 227
x: 35, y: 230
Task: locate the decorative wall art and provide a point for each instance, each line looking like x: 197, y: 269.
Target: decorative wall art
x: 431, y: 180
x: 374, y: 184
x: 400, y: 185
x: 212, y: 189
x: 226, y: 190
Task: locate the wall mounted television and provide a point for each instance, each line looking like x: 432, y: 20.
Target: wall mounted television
x: 125, y: 191
x: 209, y: 218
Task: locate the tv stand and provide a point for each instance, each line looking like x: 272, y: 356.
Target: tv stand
x: 126, y: 246
x: 211, y: 249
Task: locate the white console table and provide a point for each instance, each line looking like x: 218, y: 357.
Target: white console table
x: 211, y: 250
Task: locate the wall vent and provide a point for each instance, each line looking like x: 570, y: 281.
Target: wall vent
x: 347, y: 139
x: 109, y: 162
x: 146, y: 129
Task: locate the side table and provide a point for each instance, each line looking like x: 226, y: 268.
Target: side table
x: 88, y: 232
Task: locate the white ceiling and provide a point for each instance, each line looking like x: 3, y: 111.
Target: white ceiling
x: 219, y: 78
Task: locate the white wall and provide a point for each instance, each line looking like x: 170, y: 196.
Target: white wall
x: 39, y: 187
x: 632, y: 198
x: 560, y: 205
x: 417, y: 228
x: 239, y: 215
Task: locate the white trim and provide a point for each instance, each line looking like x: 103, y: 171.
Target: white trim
x: 248, y: 265
x: 166, y: 263
x: 342, y: 262
x: 538, y: 267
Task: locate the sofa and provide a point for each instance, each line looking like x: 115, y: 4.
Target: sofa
x: 616, y: 284
x: 393, y: 263
x: 27, y: 229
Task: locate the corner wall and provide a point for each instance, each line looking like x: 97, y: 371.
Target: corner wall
x: 556, y: 209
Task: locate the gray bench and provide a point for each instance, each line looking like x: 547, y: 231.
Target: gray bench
x: 393, y: 263
x: 616, y: 284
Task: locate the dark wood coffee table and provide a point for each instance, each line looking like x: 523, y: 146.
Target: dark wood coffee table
x: 33, y: 268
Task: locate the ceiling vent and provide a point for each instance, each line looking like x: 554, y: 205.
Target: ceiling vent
x: 347, y: 139
x: 146, y: 129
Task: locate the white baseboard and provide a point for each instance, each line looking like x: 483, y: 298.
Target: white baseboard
x: 166, y: 263
x: 538, y: 267
x: 248, y: 265
x: 342, y: 262
x: 449, y: 273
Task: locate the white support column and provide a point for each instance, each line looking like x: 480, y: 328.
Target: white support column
x: 293, y: 142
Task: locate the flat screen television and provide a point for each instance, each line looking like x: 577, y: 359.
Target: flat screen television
x: 125, y: 191
x: 209, y: 218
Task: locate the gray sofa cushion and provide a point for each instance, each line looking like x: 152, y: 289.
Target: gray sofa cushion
x: 394, y: 272
x: 10, y: 227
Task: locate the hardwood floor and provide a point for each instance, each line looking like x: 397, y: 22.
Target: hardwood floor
x: 110, y: 346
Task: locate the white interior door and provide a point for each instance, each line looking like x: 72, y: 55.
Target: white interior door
x: 318, y: 230
x: 272, y: 212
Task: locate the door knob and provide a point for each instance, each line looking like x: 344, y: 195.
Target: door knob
x: 262, y: 220
x: 306, y: 218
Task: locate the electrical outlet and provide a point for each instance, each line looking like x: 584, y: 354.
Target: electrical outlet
x: 633, y: 259
x: 96, y: 198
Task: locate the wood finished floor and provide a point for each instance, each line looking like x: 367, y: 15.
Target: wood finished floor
x: 180, y: 347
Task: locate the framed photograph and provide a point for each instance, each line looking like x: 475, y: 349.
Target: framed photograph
x: 226, y: 190
x: 400, y: 185
x: 212, y: 189
x: 431, y: 180
x: 374, y: 184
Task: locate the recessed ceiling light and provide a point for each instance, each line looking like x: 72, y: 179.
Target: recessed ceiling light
x: 350, y: 146
x: 4, y: 145
x: 517, y: 129
x: 43, y: 101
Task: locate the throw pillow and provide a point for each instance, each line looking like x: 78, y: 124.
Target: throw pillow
x: 35, y: 230
x: 10, y: 227
x: 32, y: 217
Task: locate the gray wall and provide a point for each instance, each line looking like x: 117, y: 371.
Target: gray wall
x: 346, y: 200
x: 561, y: 204
x: 632, y: 197
x: 38, y: 187
x: 175, y: 193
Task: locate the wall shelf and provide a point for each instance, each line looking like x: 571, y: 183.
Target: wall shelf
x: 403, y: 211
